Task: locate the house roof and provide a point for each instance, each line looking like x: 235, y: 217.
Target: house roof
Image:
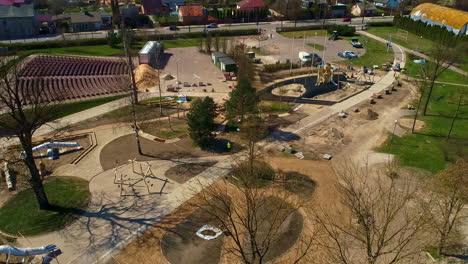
x: 244, y: 4
x: 226, y: 61
x: 217, y: 54
x: 153, y: 4
x: 338, y: 7
x: 369, y: 6
x: 440, y: 14
x: 16, y: 11
x: 191, y: 10
x: 83, y: 17
x: 10, y: 2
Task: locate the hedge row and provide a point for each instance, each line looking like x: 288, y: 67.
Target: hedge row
x: 312, y: 27
x: 342, y: 30
x: 280, y: 66
x: 432, y: 32
x: 140, y: 37
x: 380, y: 24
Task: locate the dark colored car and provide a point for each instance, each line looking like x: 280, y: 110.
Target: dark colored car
x: 173, y: 28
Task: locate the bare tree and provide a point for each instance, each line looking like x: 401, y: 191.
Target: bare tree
x: 387, y: 219
x: 442, y: 58
x: 134, y: 89
x: 296, y: 10
x: 216, y: 42
x: 208, y: 43
x: 451, y: 190
x: 460, y: 100
x: 253, y: 220
x: 27, y: 110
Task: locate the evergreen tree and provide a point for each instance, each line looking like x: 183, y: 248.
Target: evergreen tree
x: 201, y: 121
x: 243, y: 100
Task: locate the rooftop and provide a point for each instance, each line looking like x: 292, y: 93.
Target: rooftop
x: 440, y: 14
x: 16, y: 11
x: 251, y: 4
x: 191, y: 10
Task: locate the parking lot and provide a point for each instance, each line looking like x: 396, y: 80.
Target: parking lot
x: 190, y: 66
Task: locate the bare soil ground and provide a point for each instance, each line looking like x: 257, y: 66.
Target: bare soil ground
x: 335, y: 134
x: 408, y: 123
x: 152, y: 246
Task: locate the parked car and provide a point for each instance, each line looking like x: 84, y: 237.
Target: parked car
x: 347, y: 54
x: 346, y: 19
x: 173, y: 28
x: 212, y: 25
x: 355, y: 43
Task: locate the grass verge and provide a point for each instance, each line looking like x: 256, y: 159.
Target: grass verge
x: 449, y: 76
x: 376, y: 54
x: 21, y: 213
x: 274, y: 107
x: 316, y: 46
x: 307, y: 33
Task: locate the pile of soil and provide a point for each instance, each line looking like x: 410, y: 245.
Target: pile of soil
x: 372, y: 115
x: 146, y: 77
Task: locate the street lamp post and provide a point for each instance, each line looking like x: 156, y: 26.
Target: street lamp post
x: 177, y: 71
x: 394, y: 128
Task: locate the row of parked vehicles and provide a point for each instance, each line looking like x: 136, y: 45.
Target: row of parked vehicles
x: 174, y: 28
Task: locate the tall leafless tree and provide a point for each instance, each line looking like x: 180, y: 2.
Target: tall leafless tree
x: 387, y: 219
x: 442, y: 58
x: 457, y: 111
x: 451, y: 196
x: 26, y: 111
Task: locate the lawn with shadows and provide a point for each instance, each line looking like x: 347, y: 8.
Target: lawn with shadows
x: 180, y: 245
x: 286, y: 222
x: 299, y: 184
x: 449, y: 76
x: 21, y: 213
x: 307, y: 33
x: 185, y: 171
x: 317, y: 46
x: 429, y: 148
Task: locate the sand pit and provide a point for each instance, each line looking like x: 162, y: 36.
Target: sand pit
x: 146, y: 77
x: 293, y: 90
x: 408, y: 123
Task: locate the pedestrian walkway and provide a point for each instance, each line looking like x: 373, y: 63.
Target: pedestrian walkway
x: 419, y: 54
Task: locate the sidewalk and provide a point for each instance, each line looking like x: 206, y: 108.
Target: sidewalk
x: 419, y: 54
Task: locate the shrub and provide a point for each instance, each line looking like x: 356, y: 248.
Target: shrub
x: 280, y: 66
x: 113, y: 39
x: 312, y: 27
x: 380, y: 24
x: 343, y: 30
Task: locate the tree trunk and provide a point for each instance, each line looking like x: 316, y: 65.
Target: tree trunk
x: 35, y: 181
x: 426, y: 104
x: 455, y: 116
x: 441, y: 244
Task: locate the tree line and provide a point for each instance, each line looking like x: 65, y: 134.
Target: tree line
x: 233, y: 13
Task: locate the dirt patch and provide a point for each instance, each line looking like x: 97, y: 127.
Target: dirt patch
x: 293, y: 90
x: 146, y: 77
x: 408, y: 123
x: 161, y: 129
x: 184, y: 172
x: 180, y: 245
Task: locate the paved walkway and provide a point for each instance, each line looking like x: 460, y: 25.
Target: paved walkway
x: 111, y: 222
x: 419, y: 54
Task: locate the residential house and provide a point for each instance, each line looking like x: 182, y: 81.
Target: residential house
x: 46, y: 23
x: 311, y: 3
x: 18, y: 22
x: 250, y: 5
x: 338, y: 10
x: 172, y: 4
x: 154, y: 7
x: 129, y: 11
x: 363, y: 9
x: 387, y: 3
x: 193, y: 14
x: 11, y: 2
x: 344, y: 2
x: 85, y: 21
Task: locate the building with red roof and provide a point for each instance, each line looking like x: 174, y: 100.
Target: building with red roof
x: 154, y: 7
x: 10, y: 2
x: 193, y: 14
x: 250, y: 5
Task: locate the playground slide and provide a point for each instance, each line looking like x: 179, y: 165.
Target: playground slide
x: 53, y: 145
x: 9, y: 180
x: 52, y: 252
x: 334, y: 83
x: 22, y: 252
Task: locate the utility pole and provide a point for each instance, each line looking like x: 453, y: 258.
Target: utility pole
x: 134, y: 92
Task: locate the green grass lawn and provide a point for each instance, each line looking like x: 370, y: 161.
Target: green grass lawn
x: 21, y: 213
x: 62, y: 110
x: 307, y: 33
x: 106, y: 50
x: 166, y: 19
x: 414, y: 70
x: 414, y: 42
x: 429, y: 149
x: 376, y: 53
x: 316, y: 46
x: 274, y: 107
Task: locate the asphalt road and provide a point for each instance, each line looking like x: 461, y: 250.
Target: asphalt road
x: 268, y: 26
